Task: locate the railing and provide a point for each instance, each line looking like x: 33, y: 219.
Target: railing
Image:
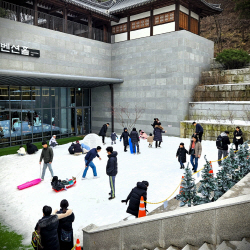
x: 44, y: 20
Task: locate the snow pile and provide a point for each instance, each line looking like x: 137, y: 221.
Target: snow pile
x: 21, y: 209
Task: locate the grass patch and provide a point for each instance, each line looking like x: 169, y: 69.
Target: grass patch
x: 11, y: 241
x: 13, y: 150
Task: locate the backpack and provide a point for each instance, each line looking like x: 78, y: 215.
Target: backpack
x: 36, y: 241
x: 219, y: 142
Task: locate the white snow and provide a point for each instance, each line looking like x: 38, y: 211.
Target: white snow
x: 21, y: 209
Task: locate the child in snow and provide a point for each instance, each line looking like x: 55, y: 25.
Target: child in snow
x: 181, y: 154
x: 125, y: 136
x: 150, y: 140
x: 21, y: 151
x: 143, y: 135
x: 113, y: 138
x: 53, y: 141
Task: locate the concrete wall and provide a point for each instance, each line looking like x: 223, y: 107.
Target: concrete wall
x: 159, y: 74
x: 212, y: 223
x: 60, y: 53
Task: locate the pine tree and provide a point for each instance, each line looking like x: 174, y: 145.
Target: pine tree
x: 208, y: 184
x: 188, y: 190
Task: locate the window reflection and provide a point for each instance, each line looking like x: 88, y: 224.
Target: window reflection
x: 15, y: 97
x: 4, y: 97
x: 15, y: 125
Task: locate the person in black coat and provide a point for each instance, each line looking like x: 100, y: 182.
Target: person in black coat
x: 31, y: 148
x: 125, y: 136
x: 111, y: 170
x: 181, y: 154
x: 156, y: 122
x: 71, y: 149
x: 223, y: 148
x: 238, y: 139
x: 135, y: 196
x: 198, y: 130
x: 158, y: 130
x: 135, y: 139
x: 65, y: 229
x: 77, y: 148
x: 103, y: 132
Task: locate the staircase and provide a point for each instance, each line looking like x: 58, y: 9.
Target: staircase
x: 225, y: 245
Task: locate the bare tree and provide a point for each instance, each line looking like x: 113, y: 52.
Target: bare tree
x: 128, y: 116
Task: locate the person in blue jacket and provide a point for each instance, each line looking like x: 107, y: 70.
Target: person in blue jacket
x: 198, y: 130
x: 89, y: 161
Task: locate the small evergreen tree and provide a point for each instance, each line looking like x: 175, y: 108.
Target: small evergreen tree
x: 188, y: 190
x: 208, y: 184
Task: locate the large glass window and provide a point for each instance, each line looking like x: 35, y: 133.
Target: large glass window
x: 78, y: 97
x: 4, y: 127
x: 26, y: 124
x: 85, y: 97
x: 36, y: 96
x: 64, y: 97
x: 72, y: 97
x: 79, y: 121
x: 4, y: 97
x: 16, y: 117
x: 27, y: 98
x: 15, y: 97
x: 55, y: 97
x: 46, y: 122
x: 55, y: 122
x: 86, y: 121
x: 37, y: 123
x: 45, y: 97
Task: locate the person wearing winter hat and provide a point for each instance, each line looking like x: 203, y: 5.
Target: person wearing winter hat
x: 222, y: 143
x: 52, y: 141
x: 135, y: 196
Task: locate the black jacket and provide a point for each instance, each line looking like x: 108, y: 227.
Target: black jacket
x: 158, y: 130
x: 48, y: 229
x: 31, y: 148
x: 181, y: 153
x: 236, y: 134
x: 134, y: 136
x: 225, y: 141
x: 111, y: 168
x: 71, y: 149
x: 155, y: 123
x: 47, y: 155
x: 198, y: 129
x: 134, y: 198
x: 103, y: 130
x: 91, y: 155
x: 125, y: 136
x: 77, y: 148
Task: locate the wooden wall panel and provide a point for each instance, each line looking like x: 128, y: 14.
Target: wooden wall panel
x: 121, y: 28
x: 194, y: 26
x: 183, y: 21
x: 139, y: 24
x: 164, y: 18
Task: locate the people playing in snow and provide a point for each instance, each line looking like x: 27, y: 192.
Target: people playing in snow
x: 85, y: 148
x: 31, y: 148
x: 48, y: 226
x: 71, y: 148
x: 52, y: 141
x: 77, y: 148
x: 150, y: 140
x: 47, y: 157
x: 158, y: 130
x: 103, y: 132
x: 195, y: 150
x: 181, y: 154
x: 111, y: 170
x: 135, y: 196
x: 238, y: 139
x: 135, y: 140
x: 198, y: 130
x: 113, y: 138
x: 125, y: 136
x: 65, y: 229
x: 89, y: 161
x: 222, y: 143
x: 21, y: 151
x: 143, y: 135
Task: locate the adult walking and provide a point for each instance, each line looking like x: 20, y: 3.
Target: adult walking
x: 156, y: 122
x: 89, y: 161
x: 238, y: 139
x: 111, y: 170
x: 103, y: 132
x: 195, y: 150
x: 135, y: 196
x: 125, y: 136
x: 158, y: 130
x: 198, y: 130
x: 135, y: 140
x: 65, y: 229
x: 47, y: 157
x: 222, y: 143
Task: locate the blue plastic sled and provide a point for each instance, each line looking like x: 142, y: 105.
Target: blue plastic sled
x: 131, y: 146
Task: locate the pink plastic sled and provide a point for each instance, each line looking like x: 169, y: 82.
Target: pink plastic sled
x: 29, y: 184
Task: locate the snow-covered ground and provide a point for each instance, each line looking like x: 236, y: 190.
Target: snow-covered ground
x: 21, y: 209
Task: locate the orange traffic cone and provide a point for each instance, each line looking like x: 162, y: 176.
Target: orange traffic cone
x: 142, y: 209
x: 78, y: 247
x: 211, y: 171
x: 181, y: 185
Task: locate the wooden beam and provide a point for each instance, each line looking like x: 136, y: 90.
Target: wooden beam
x: 35, y: 12
x: 105, y: 33
x: 90, y: 26
x: 177, y: 15
x: 199, y: 25
x: 128, y: 28
x: 189, y: 17
x: 54, y: 10
x: 151, y: 22
x: 80, y: 17
x: 65, y: 19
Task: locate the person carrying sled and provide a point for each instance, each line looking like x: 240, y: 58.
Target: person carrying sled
x: 181, y: 154
x: 125, y: 136
x: 135, y: 140
x: 135, y: 196
x: 103, y: 132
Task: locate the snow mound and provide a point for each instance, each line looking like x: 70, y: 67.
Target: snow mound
x: 92, y: 140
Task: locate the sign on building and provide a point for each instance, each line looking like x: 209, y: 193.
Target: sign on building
x: 19, y: 50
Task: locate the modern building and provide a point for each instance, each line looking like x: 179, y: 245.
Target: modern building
x: 68, y: 66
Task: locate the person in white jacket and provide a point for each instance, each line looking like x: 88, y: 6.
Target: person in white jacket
x: 21, y: 151
x: 52, y: 141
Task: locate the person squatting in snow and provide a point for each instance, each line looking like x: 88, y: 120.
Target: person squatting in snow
x: 113, y: 138
x: 181, y: 154
x: 143, y: 135
x: 47, y: 157
x: 111, y: 170
x: 89, y: 161
x: 125, y: 136
x: 48, y: 226
x: 53, y: 142
x: 135, y: 196
x: 21, y: 151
